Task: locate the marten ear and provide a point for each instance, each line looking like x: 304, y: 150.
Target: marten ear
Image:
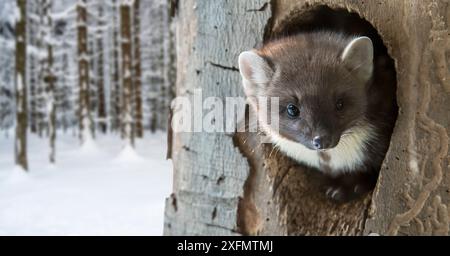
x: 255, y: 71
x: 358, y: 57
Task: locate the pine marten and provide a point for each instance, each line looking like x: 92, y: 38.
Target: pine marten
x: 337, y: 105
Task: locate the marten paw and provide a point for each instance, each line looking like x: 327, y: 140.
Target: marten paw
x: 348, y: 187
x: 342, y: 194
x: 336, y: 193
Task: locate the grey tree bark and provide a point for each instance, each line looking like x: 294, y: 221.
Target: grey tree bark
x: 127, y: 79
x: 224, y: 186
x: 115, y: 74
x: 49, y: 77
x: 137, y: 72
x: 33, y: 26
x: 84, y: 111
x: 21, y: 87
x: 210, y: 171
x: 102, y: 117
x: 170, y: 58
x: 38, y: 114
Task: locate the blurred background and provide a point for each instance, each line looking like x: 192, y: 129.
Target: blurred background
x: 85, y: 89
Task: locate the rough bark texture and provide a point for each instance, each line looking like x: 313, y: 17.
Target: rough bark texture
x: 21, y: 87
x: 33, y: 34
x: 137, y: 72
x: 209, y: 170
x: 49, y: 78
x: 41, y: 114
x: 127, y: 79
x: 115, y: 78
x: 102, y: 118
x: 280, y: 197
x: 84, y: 112
x: 171, y: 71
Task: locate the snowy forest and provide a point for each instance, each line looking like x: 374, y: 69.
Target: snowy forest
x: 84, y: 67
x: 85, y: 90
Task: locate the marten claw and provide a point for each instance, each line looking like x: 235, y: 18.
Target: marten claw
x: 335, y: 193
x: 341, y: 194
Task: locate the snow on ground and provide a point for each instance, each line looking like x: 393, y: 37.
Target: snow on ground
x: 98, y: 189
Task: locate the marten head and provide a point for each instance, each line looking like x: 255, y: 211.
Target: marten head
x: 321, y: 82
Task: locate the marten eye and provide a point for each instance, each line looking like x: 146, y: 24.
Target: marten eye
x: 339, y: 105
x: 292, y: 110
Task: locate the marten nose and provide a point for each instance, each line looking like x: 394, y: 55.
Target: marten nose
x: 321, y: 142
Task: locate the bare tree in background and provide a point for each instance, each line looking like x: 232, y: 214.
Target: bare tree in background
x: 137, y: 83
x: 100, y: 70
x: 49, y: 77
x: 115, y: 99
x: 169, y: 61
x: 84, y: 114
x: 33, y: 27
x: 127, y: 80
x: 21, y: 87
x: 39, y: 110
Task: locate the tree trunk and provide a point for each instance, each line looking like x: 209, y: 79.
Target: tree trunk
x: 51, y: 104
x: 127, y: 79
x: 210, y: 172
x: 49, y: 77
x: 21, y: 87
x: 168, y: 70
x: 84, y: 112
x: 40, y: 89
x: 116, y: 88
x: 102, y: 124
x: 65, y: 92
x: 156, y: 94
x: 137, y: 74
x: 33, y: 96
x: 33, y: 34
x: 219, y: 191
x: 171, y: 64
x: 93, y: 89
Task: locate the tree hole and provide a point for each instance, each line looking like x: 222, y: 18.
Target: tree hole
x: 301, y: 207
x: 324, y: 18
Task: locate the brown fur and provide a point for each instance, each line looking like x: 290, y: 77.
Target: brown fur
x: 307, y: 71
